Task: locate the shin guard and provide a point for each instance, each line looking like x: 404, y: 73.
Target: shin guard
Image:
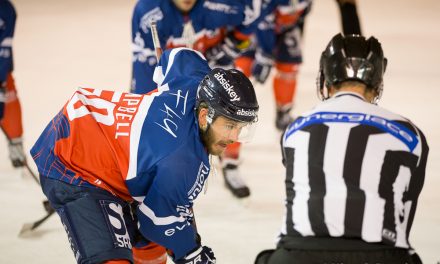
x: 284, y: 84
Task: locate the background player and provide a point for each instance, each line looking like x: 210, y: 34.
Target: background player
x: 10, y: 110
x: 279, y: 43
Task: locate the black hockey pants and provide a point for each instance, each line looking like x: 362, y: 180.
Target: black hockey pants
x: 313, y: 250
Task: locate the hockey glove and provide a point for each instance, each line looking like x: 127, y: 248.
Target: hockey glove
x: 224, y: 53
x: 262, y: 65
x: 16, y: 152
x: 202, y: 255
x: 2, y: 100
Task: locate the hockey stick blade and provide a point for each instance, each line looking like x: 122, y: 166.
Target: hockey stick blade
x: 29, y: 227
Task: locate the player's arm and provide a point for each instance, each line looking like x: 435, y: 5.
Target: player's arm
x: 7, y: 25
x: 165, y: 215
x: 143, y: 52
x: 224, y: 12
x: 238, y: 40
x: 180, y: 64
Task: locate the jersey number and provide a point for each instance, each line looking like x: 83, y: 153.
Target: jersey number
x: 101, y: 110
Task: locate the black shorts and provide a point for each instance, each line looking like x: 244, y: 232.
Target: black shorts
x: 334, y: 251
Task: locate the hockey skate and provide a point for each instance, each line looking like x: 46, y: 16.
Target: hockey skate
x: 283, y: 119
x: 16, y: 152
x: 234, y: 182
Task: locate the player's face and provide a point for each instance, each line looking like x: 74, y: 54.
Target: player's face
x: 220, y: 134
x: 184, y: 5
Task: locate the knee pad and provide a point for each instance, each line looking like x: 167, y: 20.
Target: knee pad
x: 284, y: 84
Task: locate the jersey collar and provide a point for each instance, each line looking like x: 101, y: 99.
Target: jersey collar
x: 344, y: 93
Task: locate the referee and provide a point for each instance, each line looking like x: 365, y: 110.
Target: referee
x: 354, y: 170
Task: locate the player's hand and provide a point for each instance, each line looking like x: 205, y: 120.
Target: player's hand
x: 262, y: 65
x: 202, y: 255
x: 2, y: 100
x: 224, y: 53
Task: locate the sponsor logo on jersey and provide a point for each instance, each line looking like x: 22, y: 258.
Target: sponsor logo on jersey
x: 202, y: 174
x: 395, y: 129
x: 228, y: 87
x: 5, y: 53
x: 155, y: 14
x: 243, y: 112
x: 220, y: 7
x: 184, y: 211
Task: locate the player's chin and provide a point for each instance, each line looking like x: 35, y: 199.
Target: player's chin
x: 217, y: 149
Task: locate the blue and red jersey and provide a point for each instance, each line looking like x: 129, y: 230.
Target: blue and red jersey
x: 200, y: 29
x: 7, y: 27
x: 139, y: 147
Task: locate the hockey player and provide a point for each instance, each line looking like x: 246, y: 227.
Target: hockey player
x: 10, y: 110
x: 278, y: 38
x: 354, y: 170
x: 279, y: 44
x: 196, y: 24
x: 201, y: 25
x: 105, y: 150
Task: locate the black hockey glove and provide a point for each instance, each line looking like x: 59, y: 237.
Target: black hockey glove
x: 202, y: 255
x: 262, y: 65
x: 224, y: 53
x: 2, y: 100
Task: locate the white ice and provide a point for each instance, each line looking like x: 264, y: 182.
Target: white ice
x: 60, y: 45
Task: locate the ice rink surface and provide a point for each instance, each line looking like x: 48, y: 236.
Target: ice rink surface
x: 61, y: 45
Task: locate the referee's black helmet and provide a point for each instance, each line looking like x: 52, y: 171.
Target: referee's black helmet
x: 352, y: 58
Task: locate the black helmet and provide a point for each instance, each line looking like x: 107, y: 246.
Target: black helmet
x: 228, y: 93
x: 354, y: 58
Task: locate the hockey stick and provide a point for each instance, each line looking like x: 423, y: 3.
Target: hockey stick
x: 159, y: 51
x: 29, y: 227
x: 156, y: 41
x: 24, y: 162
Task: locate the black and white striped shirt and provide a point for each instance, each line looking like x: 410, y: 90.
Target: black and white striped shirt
x: 353, y: 169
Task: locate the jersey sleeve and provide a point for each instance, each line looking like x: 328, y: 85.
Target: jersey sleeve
x: 7, y: 26
x: 143, y: 54
x: 224, y: 12
x: 165, y: 214
x: 180, y: 64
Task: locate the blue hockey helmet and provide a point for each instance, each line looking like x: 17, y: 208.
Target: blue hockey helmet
x: 229, y: 93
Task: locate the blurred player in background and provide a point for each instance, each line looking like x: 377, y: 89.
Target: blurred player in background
x: 279, y: 43
x: 107, y: 153
x: 10, y: 110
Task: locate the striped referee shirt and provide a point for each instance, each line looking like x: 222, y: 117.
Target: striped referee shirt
x: 353, y: 169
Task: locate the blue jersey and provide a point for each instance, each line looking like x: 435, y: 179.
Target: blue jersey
x: 141, y: 147
x: 200, y: 29
x: 7, y: 26
x: 278, y: 19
